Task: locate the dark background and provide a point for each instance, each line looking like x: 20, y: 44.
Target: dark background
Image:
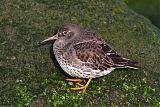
x: 148, y: 8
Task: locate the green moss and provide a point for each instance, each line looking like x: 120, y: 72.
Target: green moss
x: 28, y: 77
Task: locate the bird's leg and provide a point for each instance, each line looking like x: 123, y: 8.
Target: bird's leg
x: 79, y: 84
x: 85, y: 87
x: 75, y: 80
x: 78, y: 81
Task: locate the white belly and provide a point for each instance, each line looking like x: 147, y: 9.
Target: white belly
x: 83, y: 72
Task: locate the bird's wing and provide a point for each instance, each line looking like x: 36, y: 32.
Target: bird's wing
x: 99, y: 55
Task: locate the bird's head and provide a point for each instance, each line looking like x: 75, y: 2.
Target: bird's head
x: 66, y: 32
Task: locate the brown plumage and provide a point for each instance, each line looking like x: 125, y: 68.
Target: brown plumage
x: 82, y: 54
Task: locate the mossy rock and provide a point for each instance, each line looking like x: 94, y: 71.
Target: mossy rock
x: 28, y: 76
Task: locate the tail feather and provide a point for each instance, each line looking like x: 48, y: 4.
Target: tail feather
x: 126, y: 63
x: 132, y: 64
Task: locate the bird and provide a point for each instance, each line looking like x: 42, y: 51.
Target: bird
x: 84, y: 55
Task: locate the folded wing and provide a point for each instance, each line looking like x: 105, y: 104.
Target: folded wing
x: 99, y: 55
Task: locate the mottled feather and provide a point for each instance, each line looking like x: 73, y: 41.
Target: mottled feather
x: 101, y: 56
x: 84, y: 54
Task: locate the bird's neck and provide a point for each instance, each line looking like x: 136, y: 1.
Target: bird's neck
x: 60, y: 46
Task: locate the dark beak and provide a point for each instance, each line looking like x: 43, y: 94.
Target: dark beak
x: 48, y: 40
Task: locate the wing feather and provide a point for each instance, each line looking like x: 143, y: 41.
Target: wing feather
x: 99, y: 55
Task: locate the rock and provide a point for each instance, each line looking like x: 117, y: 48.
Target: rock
x: 25, y: 23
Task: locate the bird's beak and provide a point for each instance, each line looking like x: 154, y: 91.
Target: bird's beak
x: 48, y: 40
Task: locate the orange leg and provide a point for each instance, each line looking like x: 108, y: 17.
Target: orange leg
x: 85, y: 87
x: 78, y: 81
x: 75, y: 80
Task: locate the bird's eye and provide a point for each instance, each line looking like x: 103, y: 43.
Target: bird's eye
x: 64, y: 33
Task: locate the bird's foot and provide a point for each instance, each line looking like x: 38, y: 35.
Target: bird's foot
x: 78, y: 82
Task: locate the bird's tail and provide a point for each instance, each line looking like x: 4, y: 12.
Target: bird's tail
x: 126, y: 63
x: 132, y: 64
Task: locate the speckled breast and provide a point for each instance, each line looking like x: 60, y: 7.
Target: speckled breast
x: 79, y: 70
x: 69, y: 65
x: 72, y: 66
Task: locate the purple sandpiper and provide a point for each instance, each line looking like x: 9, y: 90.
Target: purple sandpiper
x: 84, y: 55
